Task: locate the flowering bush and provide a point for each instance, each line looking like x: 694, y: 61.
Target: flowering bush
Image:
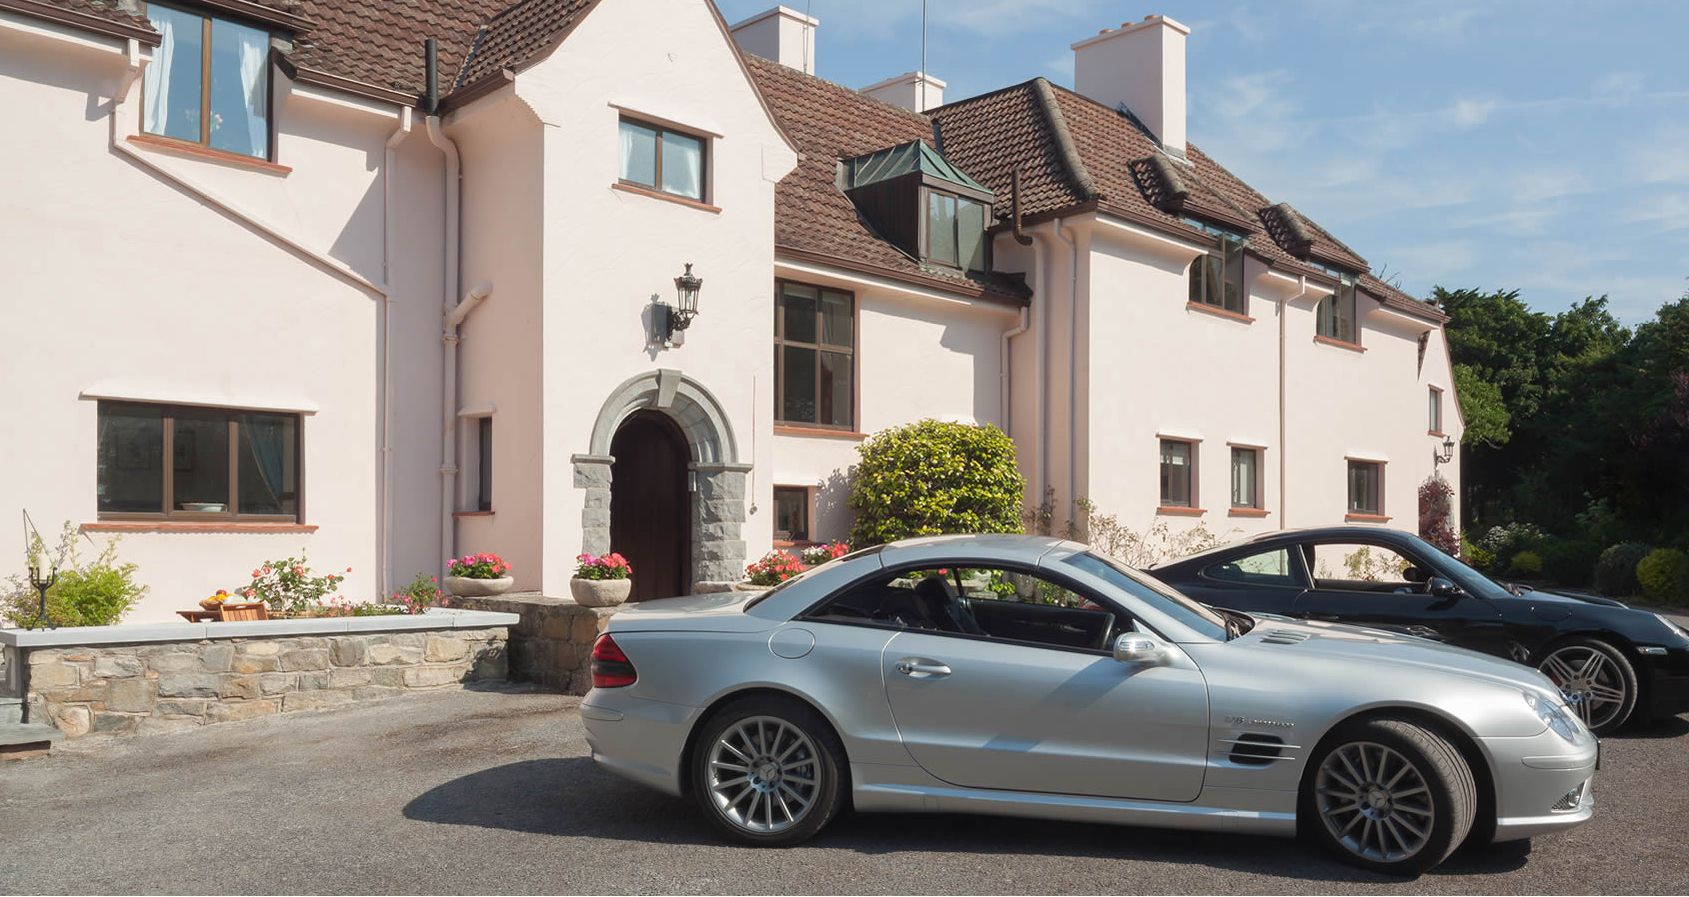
x: 816, y: 555
x: 340, y: 607
x: 610, y: 566
x: 422, y: 594
x: 775, y: 568
x: 478, y: 566
x: 288, y: 586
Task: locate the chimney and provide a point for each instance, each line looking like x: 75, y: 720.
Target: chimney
x: 915, y: 91
x: 1140, y: 65
x: 783, y: 35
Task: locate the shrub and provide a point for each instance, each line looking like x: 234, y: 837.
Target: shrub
x: 775, y: 568
x: 1479, y: 557
x: 1436, y: 514
x: 1158, y: 543
x: 1569, y: 562
x: 95, y: 593
x: 422, y: 594
x: 816, y: 555
x: 1664, y: 575
x: 933, y: 477
x: 287, y: 585
x: 1615, y: 571
x: 1527, y: 564
x: 587, y: 566
x: 1506, y: 541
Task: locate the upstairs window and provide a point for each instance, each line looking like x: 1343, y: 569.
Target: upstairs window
x: 1217, y: 277
x: 209, y: 83
x: 660, y: 159
x: 1337, y: 312
x: 1178, y: 473
x: 1366, y: 488
x: 955, y: 231
x: 197, y: 463
x: 1436, y: 428
x: 814, y: 368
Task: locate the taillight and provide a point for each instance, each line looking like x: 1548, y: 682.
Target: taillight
x: 610, y: 667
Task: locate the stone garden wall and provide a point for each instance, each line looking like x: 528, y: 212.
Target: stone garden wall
x: 552, y: 646
x: 170, y: 686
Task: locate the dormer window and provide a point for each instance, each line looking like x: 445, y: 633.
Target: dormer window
x: 209, y: 83
x: 1335, y: 316
x: 1216, y: 277
x: 919, y: 202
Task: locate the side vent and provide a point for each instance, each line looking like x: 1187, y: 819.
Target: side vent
x: 1252, y: 749
x: 1283, y: 637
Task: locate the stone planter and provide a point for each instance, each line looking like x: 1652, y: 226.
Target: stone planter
x: 600, y: 592
x: 465, y: 587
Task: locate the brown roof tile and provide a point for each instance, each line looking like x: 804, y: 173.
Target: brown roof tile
x: 519, y: 34
x: 380, y: 43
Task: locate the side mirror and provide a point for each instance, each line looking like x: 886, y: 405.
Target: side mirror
x: 1136, y: 647
x: 1439, y: 587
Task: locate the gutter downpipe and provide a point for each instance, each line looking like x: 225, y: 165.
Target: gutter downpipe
x: 448, y: 406
x: 1005, y: 382
x: 453, y: 310
x: 1283, y: 466
x: 1043, y: 364
x: 1062, y: 233
x: 384, y: 522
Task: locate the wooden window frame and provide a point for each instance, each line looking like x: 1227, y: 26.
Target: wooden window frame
x: 704, y: 158
x: 1257, y: 506
x: 1375, y: 514
x: 1193, y: 505
x: 925, y: 230
x: 1351, y: 284
x: 808, y: 517
x: 203, y: 146
x: 167, y: 421
x: 1435, y: 401
x: 484, y: 464
x: 780, y: 343
x: 1197, y: 272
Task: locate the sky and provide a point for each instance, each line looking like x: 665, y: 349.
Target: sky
x: 1536, y: 145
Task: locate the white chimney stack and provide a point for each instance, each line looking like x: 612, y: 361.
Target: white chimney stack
x: 1140, y: 65
x: 783, y: 35
x: 915, y: 91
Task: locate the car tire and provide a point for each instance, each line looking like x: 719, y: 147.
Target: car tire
x: 1388, y: 795
x: 768, y: 771
x: 1563, y: 662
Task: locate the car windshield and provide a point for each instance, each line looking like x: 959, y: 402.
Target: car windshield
x: 1163, y: 598
x: 1475, y: 583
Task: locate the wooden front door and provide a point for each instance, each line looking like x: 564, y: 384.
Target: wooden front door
x: 649, y: 520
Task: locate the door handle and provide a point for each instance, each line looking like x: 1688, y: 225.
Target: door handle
x: 922, y: 669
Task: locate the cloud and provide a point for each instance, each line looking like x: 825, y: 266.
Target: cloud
x: 1661, y: 211
x: 1470, y: 112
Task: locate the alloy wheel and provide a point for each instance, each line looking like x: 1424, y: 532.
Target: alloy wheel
x: 764, y: 774
x: 1374, y: 802
x: 1592, y: 684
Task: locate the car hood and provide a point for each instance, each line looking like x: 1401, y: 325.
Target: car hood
x: 1377, y: 647
x: 1562, y: 597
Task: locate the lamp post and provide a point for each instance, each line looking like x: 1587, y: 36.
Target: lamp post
x: 678, y: 317
x: 1443, y: 456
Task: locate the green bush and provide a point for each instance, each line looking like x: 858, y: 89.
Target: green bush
x: 1569, y: 562
x: 1479, y: 557
x: 95, y: 593
x: 1615, y: 571
x: 933, y: 477
x: 1527, y: 564
x: 1664, y: 575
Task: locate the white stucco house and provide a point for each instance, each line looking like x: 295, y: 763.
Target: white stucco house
x: 270, y: 292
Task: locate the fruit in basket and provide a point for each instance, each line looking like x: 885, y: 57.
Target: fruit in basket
x: 215, y: 600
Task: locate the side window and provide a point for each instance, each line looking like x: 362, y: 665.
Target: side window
x: 1269, y: 568
x: 996, y: 603
x: 1357, y: 567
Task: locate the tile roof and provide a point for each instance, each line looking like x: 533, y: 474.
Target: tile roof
x: 380, y: 43
x: 830, y: 123
x: 116, y: 17
x: 519, y: 34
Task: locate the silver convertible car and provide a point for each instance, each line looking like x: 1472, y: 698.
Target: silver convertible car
x: 1028, y: 676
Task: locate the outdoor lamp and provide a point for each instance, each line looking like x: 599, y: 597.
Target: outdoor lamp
x: 1444, y: 456
x: 679, y: 316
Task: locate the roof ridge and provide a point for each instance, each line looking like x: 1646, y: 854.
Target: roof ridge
x: 1065, y: 149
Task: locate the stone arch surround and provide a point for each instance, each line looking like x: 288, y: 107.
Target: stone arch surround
x: 718, y: 476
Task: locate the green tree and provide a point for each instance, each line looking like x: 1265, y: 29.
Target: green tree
x: 1487, y: 420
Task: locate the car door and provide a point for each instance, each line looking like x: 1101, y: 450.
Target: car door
x: 1365, y: 583
x: 981, y: 711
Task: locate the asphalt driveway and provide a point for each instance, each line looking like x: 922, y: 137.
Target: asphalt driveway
x: 490, y: 792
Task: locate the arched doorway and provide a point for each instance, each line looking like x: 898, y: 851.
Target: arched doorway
x: 650, y: 514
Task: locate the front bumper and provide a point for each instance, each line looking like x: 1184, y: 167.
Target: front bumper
x: 1666, y: 682
x: 1543, y: 783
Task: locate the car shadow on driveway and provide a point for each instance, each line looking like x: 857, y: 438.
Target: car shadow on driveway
x: 572, y: 797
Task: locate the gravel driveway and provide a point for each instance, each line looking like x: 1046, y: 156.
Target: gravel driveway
x: 491, y: 792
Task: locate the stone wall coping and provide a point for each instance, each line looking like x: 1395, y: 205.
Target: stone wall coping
x: 137, y: 633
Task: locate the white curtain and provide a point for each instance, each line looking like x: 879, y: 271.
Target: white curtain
x: 683, y: 166
x: 155, y: 85
x: 254, y: 87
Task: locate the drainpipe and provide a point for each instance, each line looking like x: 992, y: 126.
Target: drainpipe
x: 448, y: 445
x: 1072, y: 365
x: 384, y: 523
x: 1005, y: 381
x: 1042, y: 362
x: 1283, y: 466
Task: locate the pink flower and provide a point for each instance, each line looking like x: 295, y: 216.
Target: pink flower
x: 255, y: 574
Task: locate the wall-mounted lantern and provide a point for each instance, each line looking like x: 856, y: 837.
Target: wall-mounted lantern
x: 1445, y: 455
x: 678, y: 317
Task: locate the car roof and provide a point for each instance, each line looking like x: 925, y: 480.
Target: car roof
x: 1027, y: 549
x: 1294, y: 536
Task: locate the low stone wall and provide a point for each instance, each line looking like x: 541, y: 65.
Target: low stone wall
x: 170, y: 686
x: 552, y: 646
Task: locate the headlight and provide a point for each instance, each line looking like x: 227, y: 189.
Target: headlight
x: 1671, y: 624
x: 1556, y: 716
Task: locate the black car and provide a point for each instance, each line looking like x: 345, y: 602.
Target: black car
x: 1613, y: 662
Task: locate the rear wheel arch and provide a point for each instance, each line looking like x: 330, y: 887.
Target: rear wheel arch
x: 761, y: 691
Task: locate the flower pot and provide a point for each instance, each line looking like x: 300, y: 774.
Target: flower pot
x: 465, y: 587
x: 600, y: 592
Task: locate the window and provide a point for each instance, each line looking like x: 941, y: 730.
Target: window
x: 1178, y: 482
x: 1366, y: 488
x: 791, y: 514
x: 1358, y: 567
x: 955, y: 231
x: 1436, y: 412
x: 163, y: 460
x: 209, y: 83
x: 1216, y: 278
x: 662, y: 159
x: 1337, y: 312
x: 814, y: 341
x: 1269, y: 568
x: 1246, y: 477
x: 484, y: 463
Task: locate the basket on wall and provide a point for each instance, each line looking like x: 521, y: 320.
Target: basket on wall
x: 600, y: 592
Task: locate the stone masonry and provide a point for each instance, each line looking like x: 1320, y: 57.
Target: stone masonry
x: 166, y: 687
x: 552, y: 646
